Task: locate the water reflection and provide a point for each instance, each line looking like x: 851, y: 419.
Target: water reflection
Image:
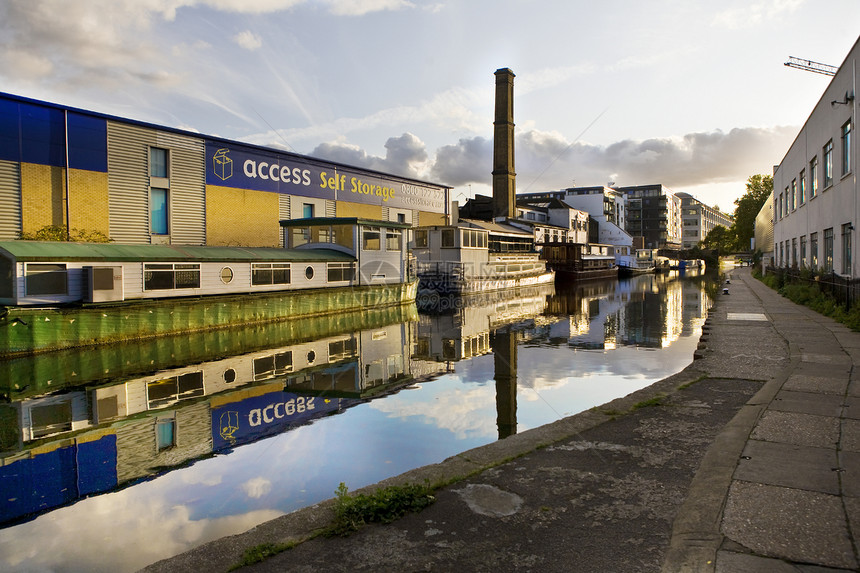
x: 241, y: 426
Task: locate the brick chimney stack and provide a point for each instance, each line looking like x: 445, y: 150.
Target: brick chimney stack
x: 504, y: 177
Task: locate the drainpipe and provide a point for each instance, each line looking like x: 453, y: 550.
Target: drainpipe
x: 68, y: 206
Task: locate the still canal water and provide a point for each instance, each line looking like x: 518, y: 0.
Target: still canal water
x: 117, y: 457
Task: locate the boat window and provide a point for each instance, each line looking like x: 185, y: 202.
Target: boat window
x: 447, y: 238
x: 321, y: 234
x: 226, y: 275
x: 393, y: 240
x: 342, y: 235
x: 338, y: 272
x: 370, y: 240
x: 299, y: 236
x: 270, y: 273
x: 309, y: 272
x: 171, y: 276
x: 421, y: 239
x: 45, y: 279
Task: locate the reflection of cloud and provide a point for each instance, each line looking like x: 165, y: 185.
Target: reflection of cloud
x: 257, y: 487
x: 455, y: 411
x: 201, y: 478
x: 130, y: 532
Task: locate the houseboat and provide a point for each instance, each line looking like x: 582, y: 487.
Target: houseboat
x: 59, y: 295
x: 577, y: 261
x: 632, y: 262
x: 477, y: 256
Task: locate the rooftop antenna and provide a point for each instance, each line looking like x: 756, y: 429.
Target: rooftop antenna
x: 811, y: 66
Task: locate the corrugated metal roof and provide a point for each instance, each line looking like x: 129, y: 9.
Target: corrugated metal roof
x: 58, y: 251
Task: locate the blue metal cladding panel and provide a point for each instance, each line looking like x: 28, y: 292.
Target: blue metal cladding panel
x: 10, y: 131
x: 97, y: 465
x: 87, y: 143
x: 43, y: 136
x: 56, y: 478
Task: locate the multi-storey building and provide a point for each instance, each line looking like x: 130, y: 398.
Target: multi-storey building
x: 654, y: 213
x: 815, y: 195
x: 698, y: 219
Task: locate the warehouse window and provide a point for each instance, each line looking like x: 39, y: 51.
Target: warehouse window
x: 158, y: 162
x: 846, y: 148
x: 158, y: 211
x: 270, y: 273
x: 157, y: 276
x: 45, y: 279
x: 813, y: 177
x: 371, y: 240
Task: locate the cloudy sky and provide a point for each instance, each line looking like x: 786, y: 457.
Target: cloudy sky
x: 692, y: 94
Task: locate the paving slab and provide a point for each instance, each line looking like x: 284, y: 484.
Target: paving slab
x: 789, y: 465
x: 800, y: 429
x: 815, y: 403
x: 791, y: 524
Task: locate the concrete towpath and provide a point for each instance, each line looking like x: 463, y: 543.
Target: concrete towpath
x: 746, y: 461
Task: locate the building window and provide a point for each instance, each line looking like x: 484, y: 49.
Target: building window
x: 370, y: 240
x: 44, y: 279
x: 803, y: 262
x: 393, y: 241
x: 794, y: 252
x: 171, y: 276
x: 802, y: 186
x: 846, y: 148
x: 307, y: 210
x: 828, y: 250
x: 781, y: 254
x: 813, y: 177
x: 448, y: 238
x: 846, y: 249
x: 165, y: 433
x: 793, y: 194
x: 813, y: 250
x: 828, y: 164
x: 158, y: 211
x: 401, y: 217
x: 270, y: 273
x: 779, y: 207
x: 158, y: 162
x: 338, y: 272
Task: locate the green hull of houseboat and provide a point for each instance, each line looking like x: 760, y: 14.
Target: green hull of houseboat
x: 25, y: 331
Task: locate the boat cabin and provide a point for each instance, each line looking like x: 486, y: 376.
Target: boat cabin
x: 323, y: 253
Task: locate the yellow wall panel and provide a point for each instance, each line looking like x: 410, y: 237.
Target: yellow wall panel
x: 89, y: 201
x: 239, y: 217
x: 43, y: 196
x: 347, y: 209
x: 426, y: 219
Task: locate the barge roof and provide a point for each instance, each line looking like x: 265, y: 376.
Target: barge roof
x: 112, y: 252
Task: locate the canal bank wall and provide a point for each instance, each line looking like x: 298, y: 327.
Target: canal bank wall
x: 743, y: 461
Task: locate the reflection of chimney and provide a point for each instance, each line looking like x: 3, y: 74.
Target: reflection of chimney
x: 504, y: 345
x: 504, y: 177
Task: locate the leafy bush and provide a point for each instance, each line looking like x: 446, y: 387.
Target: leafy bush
x: 58, y: 233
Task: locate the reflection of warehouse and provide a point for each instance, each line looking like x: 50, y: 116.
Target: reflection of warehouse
x: 141, y: 183
x: 92, y: 439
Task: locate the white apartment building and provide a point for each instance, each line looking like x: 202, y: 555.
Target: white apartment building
x: 698, y: 219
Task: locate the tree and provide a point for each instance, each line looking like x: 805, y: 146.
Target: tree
x: 721, y: 239
x: 759, y: 188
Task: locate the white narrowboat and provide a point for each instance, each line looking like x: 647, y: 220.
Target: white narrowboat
x: 477, y: 256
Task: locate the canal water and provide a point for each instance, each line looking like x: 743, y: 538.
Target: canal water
x: 116, y: 457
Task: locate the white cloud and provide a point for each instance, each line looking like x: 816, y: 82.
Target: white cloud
x: 248, y: 40
x: 362, y: 7
x: 755, y: 14
x: 257, y: 487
